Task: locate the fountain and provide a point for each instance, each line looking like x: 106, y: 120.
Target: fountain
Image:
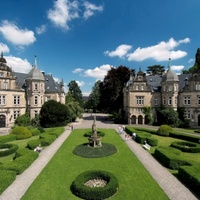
x: 94, y: 139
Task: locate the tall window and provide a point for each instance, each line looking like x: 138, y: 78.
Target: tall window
x: 156, y: 101
x: 16, y: 114
x: 5, y: 85
x: 164, y: 100
x: 197, y: 86
x: 187, y: 114
x: 142, y: 87
x: 140, y: 100
x: 36, y: 100
x: 170, y: 88
x: 36, y: 86
x: 170, y: 101
x: 175, y: 100
x: 136, y: 87
x: 2, y: 99
x: 16, y: 100
x: 186, y: 100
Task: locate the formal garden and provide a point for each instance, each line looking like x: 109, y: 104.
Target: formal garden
x: 112, y: 166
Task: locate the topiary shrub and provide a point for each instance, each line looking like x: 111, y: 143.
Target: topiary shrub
x: 35, y: 131
x: 21, y: 132
x: 7, y: 149
x: 164, y: 130
x: 186, y: 146
x: 80, y: 189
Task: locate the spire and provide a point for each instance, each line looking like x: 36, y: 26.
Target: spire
x: 2, y: 54
x: 169, y: 64
x: 35, y: 61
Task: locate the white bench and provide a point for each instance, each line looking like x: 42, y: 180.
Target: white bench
x: 146, y: 146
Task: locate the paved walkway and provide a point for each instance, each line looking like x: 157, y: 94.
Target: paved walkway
x: 171, y: 186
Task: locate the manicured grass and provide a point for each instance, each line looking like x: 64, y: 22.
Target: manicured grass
x: 55, y: 180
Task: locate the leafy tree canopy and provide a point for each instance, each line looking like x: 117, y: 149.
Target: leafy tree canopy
x: 111, y: 89
x: 76, y: 92
x: 155, y: 70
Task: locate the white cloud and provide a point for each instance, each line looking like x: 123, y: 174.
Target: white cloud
x: 77, y: 70
x: 4, y: 48
x: 63, y: 12
x: 98, y: 72
x: 20, y: 37
x: 90, y: 9
x: 160, y: 52
x: 120, y: 51
x: 80, y: 83
x: 18, y: 64
x: 177, y: 67
x: 41, y: 29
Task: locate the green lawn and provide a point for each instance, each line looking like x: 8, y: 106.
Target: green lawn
x: 54, y: 181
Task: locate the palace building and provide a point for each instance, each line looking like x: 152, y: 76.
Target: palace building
x: 21, y: 93
x: 169, y: 90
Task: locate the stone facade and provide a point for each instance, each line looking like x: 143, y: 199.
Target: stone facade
x: 169, y: 90
x: 21, y: 93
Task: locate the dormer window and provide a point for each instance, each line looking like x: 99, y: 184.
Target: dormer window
x: 1, y: 74
x: 140, y: 78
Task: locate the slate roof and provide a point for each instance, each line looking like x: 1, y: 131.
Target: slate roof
x: 155, y: 81
x: 51, y: 86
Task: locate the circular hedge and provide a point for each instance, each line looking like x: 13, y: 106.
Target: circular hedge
x: 7, y: 149
x: 21, y: 132
x: 187, y: 146
x: 79, y: 188
x: 86, y: 151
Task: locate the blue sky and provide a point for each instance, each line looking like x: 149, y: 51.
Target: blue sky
x: 80, y: 40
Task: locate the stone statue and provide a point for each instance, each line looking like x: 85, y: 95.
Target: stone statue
x: 94, y: 128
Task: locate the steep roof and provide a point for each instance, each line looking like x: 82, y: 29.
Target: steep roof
x: 35, y: 74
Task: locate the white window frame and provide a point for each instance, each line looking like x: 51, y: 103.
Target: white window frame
x: 2, y: 99
x: 140, y: 100
x: 16, y: 100
x: 186, y: 100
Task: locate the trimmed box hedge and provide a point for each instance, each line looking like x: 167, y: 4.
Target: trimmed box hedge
x: 170, y: 157
x: 184, y: 146
x: 22, y: 160
x: 7, y: 149
x: 190, y: 176
x: 7, y: 138
x: 79, y: 188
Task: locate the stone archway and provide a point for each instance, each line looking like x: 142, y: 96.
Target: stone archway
x: 2, y: 121
x: 133, y: 119
x: 140, y: 119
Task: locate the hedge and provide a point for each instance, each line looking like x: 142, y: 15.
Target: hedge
x: 7, y: 149
x: 97, y: 193
x: 190, y: 176
x: 184, y: 136
x: 7, y: 177
x: 184, y: 146
x: 22, y: 160
x: 170, y: 157
x: 7, y: 138
x: 142, y: 136
x: 164, y: 130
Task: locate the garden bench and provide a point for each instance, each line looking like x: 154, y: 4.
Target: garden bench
x: 146, y: 146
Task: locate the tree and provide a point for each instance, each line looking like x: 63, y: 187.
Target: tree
x: 76, y: 92
x: 111, y: 89
x: 53, y: 114
x: 155, y: 70
x: 94, y: 97
x: 196, y: 65
x: 23, y: 120
x: 147, y: 110
x: 73, y: 107
x: 168, y: 116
